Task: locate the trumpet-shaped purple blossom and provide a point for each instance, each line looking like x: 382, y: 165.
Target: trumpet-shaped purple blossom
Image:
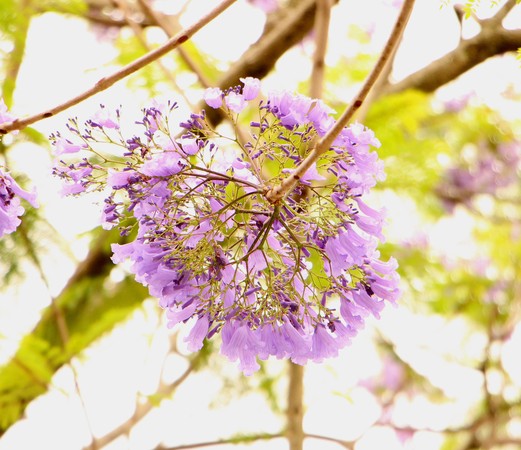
x: 295, y: 279
x: 10, y: 204
x: 10, y: 192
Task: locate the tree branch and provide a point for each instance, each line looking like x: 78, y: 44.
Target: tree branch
x: 295, y: 408
x: 349, y: 445
x: 142, y: 409
x: 19, y: 383
x: 129, y: 69
x: 163, y: 22
x: 322, y: 19
x: 137, y: 29
x: 233, y: 440
x: 491, y: 41
x: 288, y: 27
x: 285, y: 29
x: 287, y: 185
x: 503, y: 11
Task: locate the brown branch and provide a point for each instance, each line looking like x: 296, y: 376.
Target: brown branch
x: 491, y: 41
x: 503, y: 11
x: 236, y: 440
x: 97, y: 12
x: 295, y: 408
x: 142, y: 409
x: 164, y: 23
x: 287, y: 28
x: 322, y: 18
x: 129, y: 69
x: 255, y: 437
x: 137, y: 29
x: 59, y: 317
x: 287, y: 185
x: 349, y: 445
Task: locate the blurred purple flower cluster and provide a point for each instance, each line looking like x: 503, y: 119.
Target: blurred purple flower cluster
x: 267, y: 6
x: 293, y: 279
x: 10, y: 205
x: 10, y: 192
x: 493, y: 168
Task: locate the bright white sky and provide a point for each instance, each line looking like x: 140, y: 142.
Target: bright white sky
x: 60, y: 64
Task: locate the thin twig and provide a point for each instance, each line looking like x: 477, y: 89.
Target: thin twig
x: 61, y: 322
x: 346, y: 444
x: 287, y: 185
x: 236, y: 440
x: 169, y: 29
x: 322, y: 18
x: 142, y: 409
x: 138, y: 33
x: 106, y: 82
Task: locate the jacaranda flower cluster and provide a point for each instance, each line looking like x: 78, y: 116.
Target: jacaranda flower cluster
x: 294, y: 278
x: 492, y: 170
x: 10, y: 192
x: 10, y: 204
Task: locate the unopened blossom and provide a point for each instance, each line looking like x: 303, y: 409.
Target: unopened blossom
x: 295, y: 279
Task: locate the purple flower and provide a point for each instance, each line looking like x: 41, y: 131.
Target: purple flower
x: 118, y: 179
x: 10, y: 205
x: 5, y: 116
x: 323, y: 344
x: 251, y: 88
x: 190, y: 146
x: 239, y: 343
x: 296, y: 279
x: 291, y: 109
x: 64, y: 146
x: 72, y: 189
x: 198, y: 334
x: 490, y: 171
x: 77, y: 177
x: 163, y: 164
x: 267, y: 6
x: 213, y: 97
x: 235, y: 102
x: 103, y: 118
